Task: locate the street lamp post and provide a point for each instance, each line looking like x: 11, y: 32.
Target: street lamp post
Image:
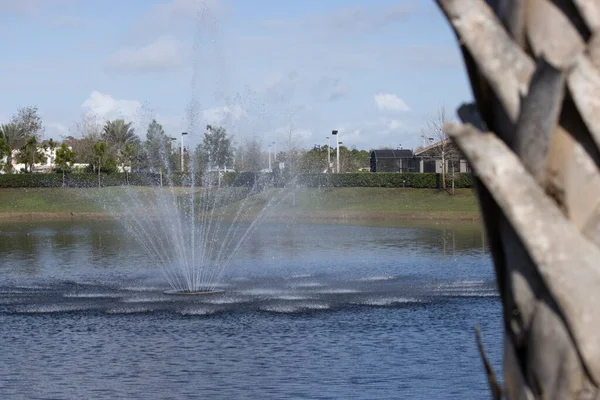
x: 328, y: 152
x: 182, y: 133
x: 269, y: 158
x: 337, y: 149
x: 338, y: 156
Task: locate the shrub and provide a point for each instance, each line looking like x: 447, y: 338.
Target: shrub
x: 383, y: 179
x: 246, y: 179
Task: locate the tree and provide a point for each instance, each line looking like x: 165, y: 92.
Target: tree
x: 128, y: 158
x: 29, y: 122
x: 65, y: 157
x: 14, y: 138
x: 118, y: 134
x: 158, y: 149
x: 100, y: 156
x: 51, y: 145
x: 216, y: 148
x: 359, y: 159
x: 443, y: 147
x: 85, y: 133
x: 4, y: 150
x: 532, y: 138
x: 30, y: 154
x: 314, y: 160
x: 249, y: 156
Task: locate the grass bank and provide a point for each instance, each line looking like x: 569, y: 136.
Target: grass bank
x: 307, y: 204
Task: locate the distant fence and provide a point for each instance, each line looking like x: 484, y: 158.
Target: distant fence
x: 363, y: 179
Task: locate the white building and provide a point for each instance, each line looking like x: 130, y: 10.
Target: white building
x: 45, y: 167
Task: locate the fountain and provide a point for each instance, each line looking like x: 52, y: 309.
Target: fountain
x: 192, y: 224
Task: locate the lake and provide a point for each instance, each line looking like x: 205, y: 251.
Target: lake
x: 308, y: 312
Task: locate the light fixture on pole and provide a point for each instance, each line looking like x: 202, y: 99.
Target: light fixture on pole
x: 337, y: 149
x: 182, y: 133
x: 328, y: 152
x: 269, y: 158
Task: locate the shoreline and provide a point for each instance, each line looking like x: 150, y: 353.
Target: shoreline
x: 342, y: 216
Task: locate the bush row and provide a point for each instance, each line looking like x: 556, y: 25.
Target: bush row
x: 383, y: 179
x: 380, y: 179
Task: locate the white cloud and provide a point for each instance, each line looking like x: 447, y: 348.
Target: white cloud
x: 105, y: 107
x: 390, y: 102
x: 163, y: 54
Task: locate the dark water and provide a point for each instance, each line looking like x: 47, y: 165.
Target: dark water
x: 320, y: 312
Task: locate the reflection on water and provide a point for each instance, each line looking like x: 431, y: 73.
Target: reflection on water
x: 80, y: 249
x: 308, y: 311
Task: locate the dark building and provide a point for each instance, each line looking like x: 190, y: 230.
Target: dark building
x: 393, y: 161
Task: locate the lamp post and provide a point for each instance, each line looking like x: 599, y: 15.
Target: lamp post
x: 328, y: 152
x: 269, y: 158
x: 337, y: 149
x: 182, y: 133
x: 339, y: 144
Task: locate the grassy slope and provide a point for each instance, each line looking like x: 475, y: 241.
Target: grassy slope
x: 387, y: 200
x: 333, y: 203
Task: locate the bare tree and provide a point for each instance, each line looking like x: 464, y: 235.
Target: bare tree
x: 85, y: 132
x: 29, y: 122
x: 249, y: 156
x: 533, y: 139
x: 442, y: 147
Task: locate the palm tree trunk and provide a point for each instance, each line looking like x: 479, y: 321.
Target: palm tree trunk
x: 533, y: 140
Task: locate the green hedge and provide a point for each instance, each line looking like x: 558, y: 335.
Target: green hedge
x: 379, y: 179
x: 385, y: 179
x: 74, y: 180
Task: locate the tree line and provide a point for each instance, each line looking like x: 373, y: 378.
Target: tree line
x: 115, y: 145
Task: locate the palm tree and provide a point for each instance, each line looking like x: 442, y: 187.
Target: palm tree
x: 14, y: 138
x: 4, y: 149
x: 118, y: 134
x: 65, y: 157
x: 51, y: 145
x: 30, y: 154
x: 533, y: 139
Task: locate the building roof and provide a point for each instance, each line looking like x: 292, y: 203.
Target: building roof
x: 392, y: 154
x: 430, y: 147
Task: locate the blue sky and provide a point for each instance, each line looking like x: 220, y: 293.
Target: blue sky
x: 375, y: 70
